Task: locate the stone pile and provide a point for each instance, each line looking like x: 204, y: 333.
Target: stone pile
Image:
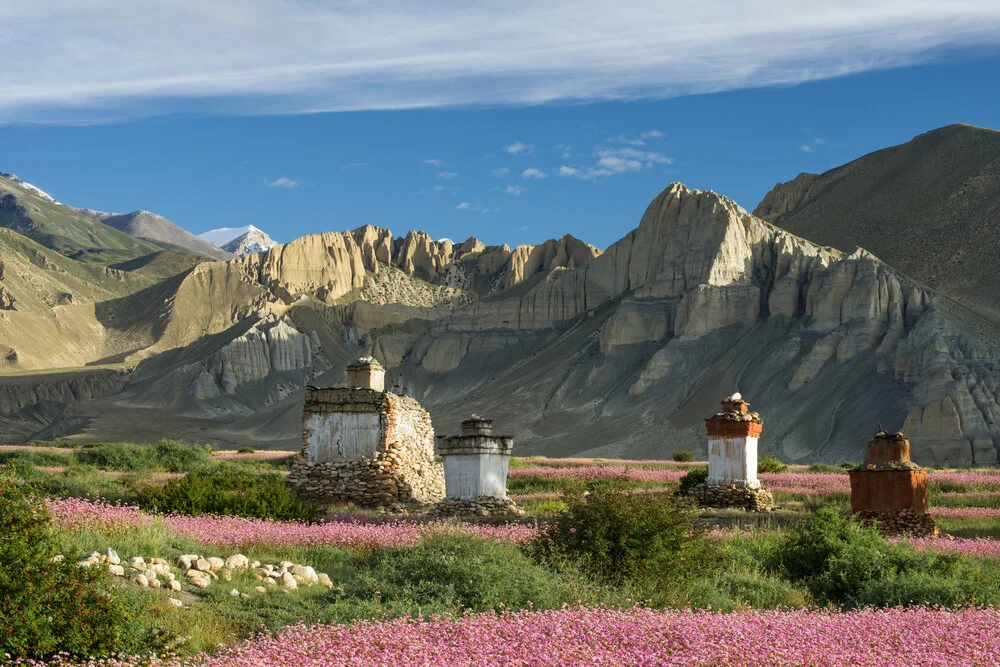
x: 478, y: 506
x: 907, y: 521
x: 722, y: 497
x: 200, y: 572
x: 366, y: 446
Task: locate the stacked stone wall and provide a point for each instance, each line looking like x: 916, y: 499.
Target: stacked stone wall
x: 725, y: 497
x: 906, y: 521
x: 478, y: 506
x: 402, y: 470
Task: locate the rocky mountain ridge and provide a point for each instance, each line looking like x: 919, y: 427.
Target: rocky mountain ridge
x: 152, y: 227
x: 575, y: 351
x: 928, y: 207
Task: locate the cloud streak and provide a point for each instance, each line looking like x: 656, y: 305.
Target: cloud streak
x: 282, y: 182
x: 612, y: 161
x: 91, y: 62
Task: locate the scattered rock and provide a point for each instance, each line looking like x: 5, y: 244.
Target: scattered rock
x: 175, y: 602
x: 238, y: 562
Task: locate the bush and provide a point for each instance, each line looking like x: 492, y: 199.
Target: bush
x: 683, y: 457
x: 770, y: 464
x: 51, y: 606
x: 245, y: 450
x: 825, y: 467
x: 692, y: 479
x: 228, y: 489
x: 119, y: 456
x: 621, y: 537
x: 458, y: 572
x: 174, y: 456
x: 846, y: 563
x: 168, y: 455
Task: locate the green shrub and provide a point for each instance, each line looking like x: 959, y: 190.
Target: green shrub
x: 848, y: 465
x: 228, y: 489
x: 245, y: 450
x: 620, y: 537
x: 116, y: 456
x: 174, y: 456
x: 683, y: 457
x: 56, y: 457
x: 50, y: 606
x: 770, y: 464
x: 168, y: 455
x: 846, y: 563
x: 825, y: 467
x: 692, y: 479
x: 458, y: 572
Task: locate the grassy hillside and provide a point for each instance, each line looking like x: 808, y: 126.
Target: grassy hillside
x: 63, y: 229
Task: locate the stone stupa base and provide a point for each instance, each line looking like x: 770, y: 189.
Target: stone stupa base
x: 903, y: 522
x: 478, y: 506
x: 729, y: 497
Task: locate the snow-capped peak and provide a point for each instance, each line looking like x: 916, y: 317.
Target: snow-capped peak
x: 223, y: 235
x: 253, y: 241
x: 13, y: 178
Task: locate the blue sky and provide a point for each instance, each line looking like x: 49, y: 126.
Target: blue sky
x: 513, y: 127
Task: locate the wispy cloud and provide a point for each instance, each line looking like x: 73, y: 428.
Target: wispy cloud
x: 434, y: 162
x: 447, y: 175
x: 501, y: 172
x: 532, y: 173
x: 355, y: 165
x: 612, y: 161
x: 515, y: 190
x: 517, y: 148
x: 464, y: 206
x: 92, y: 62
x: 640, y: 140
x: 282, y: 182
x: 810, y: 146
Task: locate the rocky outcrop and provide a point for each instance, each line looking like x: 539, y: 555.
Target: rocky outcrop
x: 701, y: 281
x: 65, y: 388
x: 273, y: 345
x: 928, y: 208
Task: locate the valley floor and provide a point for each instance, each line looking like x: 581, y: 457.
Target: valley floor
x: 406, y: 590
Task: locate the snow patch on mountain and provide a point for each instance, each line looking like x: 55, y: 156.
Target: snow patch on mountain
x: 223, y: 235
x: 239, y: 240
x: 16, y: 180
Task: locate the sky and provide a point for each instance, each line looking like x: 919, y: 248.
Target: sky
x: 513, y: 122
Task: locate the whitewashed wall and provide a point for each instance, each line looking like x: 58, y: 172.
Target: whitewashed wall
x: 348, y: 435
x: 471, y: 475
x: 733, y: 460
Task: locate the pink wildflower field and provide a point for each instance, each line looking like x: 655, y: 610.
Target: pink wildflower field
x: 238, y: 532
x: 588, y: 473
x: 613, y: 638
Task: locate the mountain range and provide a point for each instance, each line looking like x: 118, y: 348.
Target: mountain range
x: 573, y: 350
